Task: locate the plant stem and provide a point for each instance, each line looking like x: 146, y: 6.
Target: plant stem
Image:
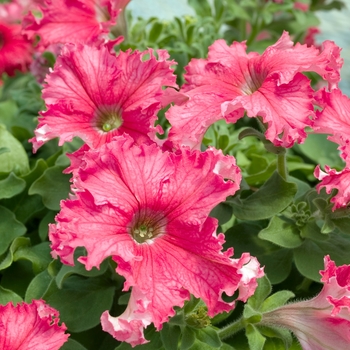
x: 282, y: 165
x: 231, y: 329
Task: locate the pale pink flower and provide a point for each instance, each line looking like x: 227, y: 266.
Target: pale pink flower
x: 324, y: 321
x: 332, y: 179
x: 15, y: 50
x: 96, y: 95
x: 129, y: 326
x: 230, y: 82
x: 30, y: 327
x: 149, y: 210
x: 72, y: 21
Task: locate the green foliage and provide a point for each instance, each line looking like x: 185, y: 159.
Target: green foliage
x: 273, y: 197
x: 52, y: 186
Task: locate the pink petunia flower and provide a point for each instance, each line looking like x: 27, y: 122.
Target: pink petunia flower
x: 13, y: 12
x: 334, y: 119
x: 15, y: 50
x: 302, y: 6
x: 334, y: 116
x: 149, y: 210
x: 332, y: 179
x: 324, y: 321
x: 231, y: 82
x: 129, y: 326
x: 73, y: 21
x: 31, y: 327
x: 96, y: 95
x: 309, y: 39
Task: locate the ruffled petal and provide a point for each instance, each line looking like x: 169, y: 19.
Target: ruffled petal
x: 96, y: 95
x: 332, y: 179
x: 31, y: 327
x: 73, y: 21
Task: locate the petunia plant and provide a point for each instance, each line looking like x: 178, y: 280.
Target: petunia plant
x: 178, y: 184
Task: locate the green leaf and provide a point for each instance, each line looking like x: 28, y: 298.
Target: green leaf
x: 39, y: 286
x: 271, y: 199
x: 261, y: 293
x: 7, y: 295
x: 303, y: 187
x: 276, y: 332
x: 72, y: 344
x: 281, y: 233
x: 4, y: 150
x: 52, y: 186
x: 8, y: 110
x: 16, y: 159
x: 23, y: 205
x: 276, y: 300
x: 79, y: 269
x: 223, y: 141
x: 343, y: 224
x: 81, y: 301
x: 10, y: 228
x: 188, y: 338
x: 44, y: 225
x: 10, y: 279
x: 11, y: 186
x: 39, y: 255
x: 238, y: 11
x: 209, y: 335
x: 191, y: 304
x: 321, y: 151
x: 312, y: 231
x: 251, y: 315
x: 277, y: 261
x: 255, y: 339
x: 17, y: 243
x: 222, y: 212
x: 198, y: 345
x: 170, y: 335
x: 155, y: 31
x: 309, y: 256
x: 201, y: 7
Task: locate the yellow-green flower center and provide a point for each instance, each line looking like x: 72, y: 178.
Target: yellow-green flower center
x: 142, y: 233
x: 107, y: 120
x: 147, y: 225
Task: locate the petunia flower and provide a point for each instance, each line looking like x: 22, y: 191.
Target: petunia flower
x: 129, y: 326
x: 149, y: 210
x: 72, y: 21
x: 332, y: 179
x: 231, y: 82
x: 324, y: 321
x: 96, y: 95
x: 15, y: 50
x: 31, y: 326
x: 334, y: 117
